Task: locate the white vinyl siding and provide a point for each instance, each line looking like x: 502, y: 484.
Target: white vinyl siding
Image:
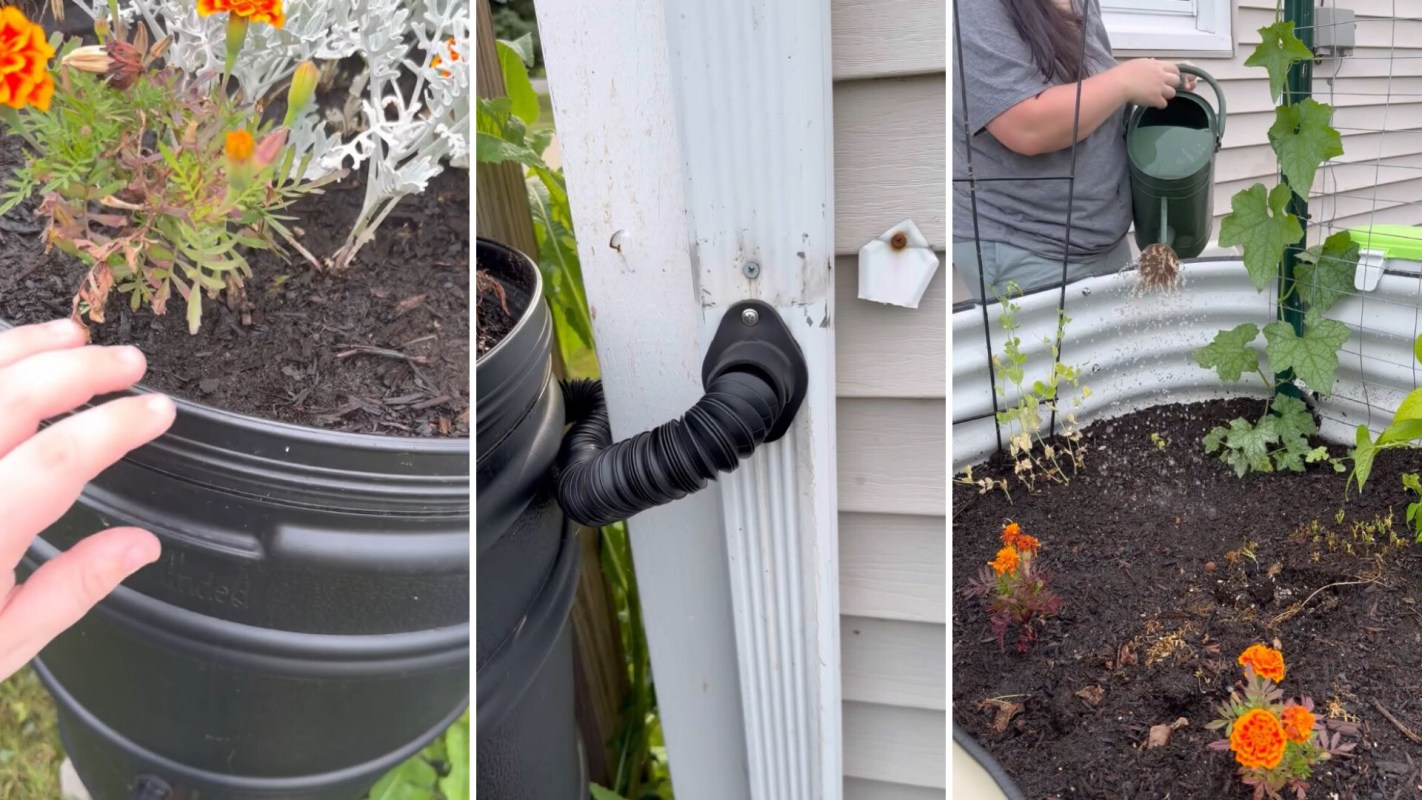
x: 890, y: 105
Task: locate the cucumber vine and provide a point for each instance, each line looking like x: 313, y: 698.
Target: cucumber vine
x: 1260, y: 221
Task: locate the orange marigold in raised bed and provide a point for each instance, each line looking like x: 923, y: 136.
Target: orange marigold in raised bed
x: 268, y: 11
x: 1298, y: 723
x: 1257, y: 740
x: 1006, y: 561
x: 24, y: 62
x: 1265, y: 661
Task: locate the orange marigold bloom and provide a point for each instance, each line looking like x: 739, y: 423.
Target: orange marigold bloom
x: 1010, y: 532
x: 1265, y: 661
x: 239, y: 146
x: 453, y: 56
x: 1257, y: 740
x: 268, y: 11
x: 24, y: 62
x: 1027, y: 544
x: 1298, y: 723
x: 1006, y: 561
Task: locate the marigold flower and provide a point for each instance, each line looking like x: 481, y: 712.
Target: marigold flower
x: 24, y: 62
x: 1298, y: 723
x: 1010, y: 532
x: 453, y: 56
x: 1257, y: 740
x: 1027, y: 544
x: 1265, y: 661
x: 268, y: 11
x: 1006, y: 561
x: 239, y: 146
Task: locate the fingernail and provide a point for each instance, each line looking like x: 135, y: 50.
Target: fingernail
x: 132, y: 355
x: 137, y: 557
x: 160, y: 405
x: 62, y: 328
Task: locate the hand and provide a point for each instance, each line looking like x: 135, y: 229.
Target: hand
x: 1187, y: 82
x: 46, y: 370
x: 1148, y: 81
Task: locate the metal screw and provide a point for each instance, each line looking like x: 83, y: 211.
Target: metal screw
x: 899, y: 241
x: 750, y: 317
x: 751, y: 270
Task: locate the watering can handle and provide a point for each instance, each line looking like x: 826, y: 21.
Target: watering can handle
x: 1191, y: 69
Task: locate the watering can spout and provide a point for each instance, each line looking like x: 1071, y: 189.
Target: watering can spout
x: 1172, y: 163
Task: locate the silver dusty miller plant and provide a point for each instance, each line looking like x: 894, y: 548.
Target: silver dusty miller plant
x: 408, y: 112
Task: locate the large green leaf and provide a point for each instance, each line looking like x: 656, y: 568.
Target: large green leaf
x: 412, y: 780
x: 1401, y: 430
x: 455, y: 785
x: 603, y: 793
x: 1328, y: 277
x: 1265, y: 235
x: 1292, y: 419
x: 1313, y: 357
x: 1364, y: 451
x: 1278, y: 50
x: 1417, y: 349
x: 1230, y: 354
x: 1249, y: 445
x: 1303, y: 138
x: 516, y: 83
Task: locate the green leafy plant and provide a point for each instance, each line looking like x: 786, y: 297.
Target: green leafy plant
x: 1034, y: 457
x: 156, y: 179
x: 505, y: 131
x: 1159, y: 441
x: 1403, y: 430
x: 1261, y: 221
x: 1412, y: 483
x: 1015, y: 588
x: 438, y: 772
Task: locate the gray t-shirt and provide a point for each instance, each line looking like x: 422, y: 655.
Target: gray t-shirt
x: 1031, y: 213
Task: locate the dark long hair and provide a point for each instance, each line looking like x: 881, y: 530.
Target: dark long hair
x: 1053, y: 34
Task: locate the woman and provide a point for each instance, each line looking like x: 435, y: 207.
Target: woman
x: 1018, y: 78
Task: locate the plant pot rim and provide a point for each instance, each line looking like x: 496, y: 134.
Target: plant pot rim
x: 374, y: 442
x: 535, y: 292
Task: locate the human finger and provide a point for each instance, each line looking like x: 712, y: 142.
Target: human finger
x: 27, y: 340
x: 41, y: 478
x: 63, y: 590
x: 48, y: 384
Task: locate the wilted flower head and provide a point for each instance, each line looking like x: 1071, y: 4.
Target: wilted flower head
x: 119, y: 62
x: 24, y: 62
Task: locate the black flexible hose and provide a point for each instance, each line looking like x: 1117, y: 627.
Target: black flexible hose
x: 600, y: 483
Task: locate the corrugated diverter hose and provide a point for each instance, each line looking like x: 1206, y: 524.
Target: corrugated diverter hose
x: 754, y: 376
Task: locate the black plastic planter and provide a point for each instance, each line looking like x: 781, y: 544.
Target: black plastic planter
x: 526, y: 557
x: 1005, y: 785
x: 305, y: 631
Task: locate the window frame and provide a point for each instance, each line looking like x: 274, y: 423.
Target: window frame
x: 1151, y: 27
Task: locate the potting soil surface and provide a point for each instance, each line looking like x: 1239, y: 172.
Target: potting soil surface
x: 1170, y: 566
x: 381, y: 348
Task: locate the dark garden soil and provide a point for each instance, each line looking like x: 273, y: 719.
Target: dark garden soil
x: 504, y: 291
x: 1146, y: 547
x: 383, y: 348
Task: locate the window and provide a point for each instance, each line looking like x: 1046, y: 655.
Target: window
x: 1140, y: 27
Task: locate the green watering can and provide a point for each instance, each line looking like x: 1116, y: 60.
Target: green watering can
x: 1172, y: 157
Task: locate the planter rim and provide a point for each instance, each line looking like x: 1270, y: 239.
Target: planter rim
x: 535, y: 293
x: 373, y: 442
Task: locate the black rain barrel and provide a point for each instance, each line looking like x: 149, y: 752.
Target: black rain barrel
x: 306, y: 630
x: 526, y: 556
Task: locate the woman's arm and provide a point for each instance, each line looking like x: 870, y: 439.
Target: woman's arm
x: 1043, y: 124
